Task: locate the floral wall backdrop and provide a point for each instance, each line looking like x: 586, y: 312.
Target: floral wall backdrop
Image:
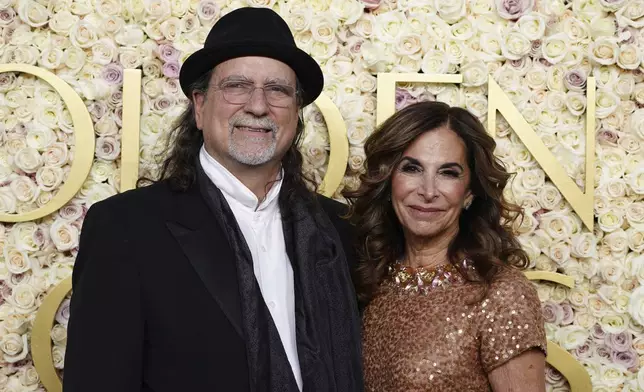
x: 541, y: 53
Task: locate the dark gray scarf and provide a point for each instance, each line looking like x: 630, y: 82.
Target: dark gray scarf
x: 327, y: 321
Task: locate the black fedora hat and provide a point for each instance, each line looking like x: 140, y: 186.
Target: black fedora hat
x: 253, y: 32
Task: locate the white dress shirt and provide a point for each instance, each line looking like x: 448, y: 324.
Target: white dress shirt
x: 261, y: 226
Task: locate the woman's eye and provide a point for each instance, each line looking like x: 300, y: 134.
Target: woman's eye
x: 451, y: 173
x: 410, y: 168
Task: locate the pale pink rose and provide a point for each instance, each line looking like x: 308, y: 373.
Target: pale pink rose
x: 62, y: 315
x: 608, y: 137
x: 168, y: 53
x: 597, y: 333
x: 629, y: 359
x: 7, y: 16
x: 171, y: 70
x: 553, y: 376
x: 513, y: 9
x: 97, y: 110
x: 603, y: 351
x: 108, y: 148
x: 208, y: 11
x: 619, y: 342
x: 115, y: 99
x: 354, y: 44
x: 402, y: 98
x: 118, y: 116
x: 583, y: 351
x: 113, y: 74
x: 575, y: 80
x: 552, y: 312
x: 568, y: 314
x: 371, y: 4
x: 163, y: 103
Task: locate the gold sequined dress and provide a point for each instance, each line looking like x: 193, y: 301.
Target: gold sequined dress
x: 444, y: 335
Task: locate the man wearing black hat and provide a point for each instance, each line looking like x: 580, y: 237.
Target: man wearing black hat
x: 228, y: 274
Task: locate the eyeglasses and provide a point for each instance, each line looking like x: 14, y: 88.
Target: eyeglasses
x: 238, y: 93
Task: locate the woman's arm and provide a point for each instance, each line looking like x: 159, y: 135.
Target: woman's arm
x: 523, y: 373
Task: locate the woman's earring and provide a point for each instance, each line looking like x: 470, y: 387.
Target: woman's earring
x: 467, y: 204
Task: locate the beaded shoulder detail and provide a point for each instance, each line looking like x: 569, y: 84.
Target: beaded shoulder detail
x: 423, y: 280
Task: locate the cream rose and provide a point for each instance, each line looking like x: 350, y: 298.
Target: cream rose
x: 604, y: 50
x: 462, y: 30
x: 549, y: 196
x: 515, y: 45
x: 631, y: 15
x: 435, y: 62
x: 64, y: 235
x: 23, y: 298
x: 33, y: 13
x: 58, y: 356
x: 59, y: 334
x: 571, y: 336
x: 40, y: 138
x: 388, y: 26
x: 629, y: 56
x: 555, y: 48
x: 16, y: 261
x: 450, y: 11
x: 49, y: 178
x: 607, y: 102
x: 14, y: 347
x: 24, y: 189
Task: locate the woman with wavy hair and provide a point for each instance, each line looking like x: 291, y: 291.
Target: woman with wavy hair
x: 447, y: 308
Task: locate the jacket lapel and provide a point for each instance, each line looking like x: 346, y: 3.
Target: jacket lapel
x: 203, y: 242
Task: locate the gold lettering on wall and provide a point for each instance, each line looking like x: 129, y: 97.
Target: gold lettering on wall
x: 581, y: 202
x: 339, y: 145
x: 83, y: 149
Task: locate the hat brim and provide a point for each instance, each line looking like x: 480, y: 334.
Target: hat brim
x: 305, y: 67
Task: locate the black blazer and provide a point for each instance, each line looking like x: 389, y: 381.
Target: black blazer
x: 155, y: 304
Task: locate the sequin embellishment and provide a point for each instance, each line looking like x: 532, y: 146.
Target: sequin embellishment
x: 422, y: 280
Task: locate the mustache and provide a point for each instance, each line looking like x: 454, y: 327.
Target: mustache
x: 253, y: 122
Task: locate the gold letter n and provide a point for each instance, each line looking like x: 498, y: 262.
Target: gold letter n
x: 581, y: 202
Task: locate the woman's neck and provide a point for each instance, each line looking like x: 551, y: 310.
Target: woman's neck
x: 426, y: 252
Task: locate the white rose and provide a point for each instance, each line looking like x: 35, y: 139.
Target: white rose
x: 74, y: 58
x: 515, y: 45
x: 612, y: 375
x: 584, y: 245
x: 629, y: 56
x: 578, y: 298
x: 571, y: 336
x: 59, y: 334
x: 607, y: 103
x: 62, y: 22
x: 51, y: 58
x: 23, y: 298
x: 49, y: 178
x: 55, y: 155
x: 491, y: 46
x: 635, y: 239
x: 64, y: 235
x: 555, y: 48
x: 58, y: 356
x: 615, y: 323
x: 14, y: 347
x: 16, y: 261
x: 477, y: 105
x: 474, y: 73
x: 300, y: 19
x: 40, y: 138
x: 556, y: 76
x: 604, y: 50
x: 28, y: 160
x: 24, y: 189
x: 532, y: 26
x: 450, y: 11
x: 435, y: 62
x: 559, y: 252
x: 389, y: 25
x: 408, y: 44
x: 33, y: 13
x: 636, y: 305
x: 99, y: 192
x: 536, y: 77
x: 8, y: 202
x: 83, y: 34
x: 463, y: 30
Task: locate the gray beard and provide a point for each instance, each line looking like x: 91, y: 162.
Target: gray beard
x: 237, y: 150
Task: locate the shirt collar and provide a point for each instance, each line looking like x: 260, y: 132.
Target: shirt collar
x: 235, y: 189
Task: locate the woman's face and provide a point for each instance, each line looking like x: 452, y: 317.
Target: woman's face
x: 430, y: 186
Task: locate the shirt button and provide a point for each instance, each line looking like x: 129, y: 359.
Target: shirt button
x: 271, y: 305
x: 263, y: 248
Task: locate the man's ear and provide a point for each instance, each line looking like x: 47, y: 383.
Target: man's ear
x: 198, y: 100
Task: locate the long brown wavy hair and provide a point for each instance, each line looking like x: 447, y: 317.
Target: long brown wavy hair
x: 488, y: 242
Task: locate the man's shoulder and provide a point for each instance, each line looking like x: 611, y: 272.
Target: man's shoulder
x: 139, y: 201
x: 332, y: 206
